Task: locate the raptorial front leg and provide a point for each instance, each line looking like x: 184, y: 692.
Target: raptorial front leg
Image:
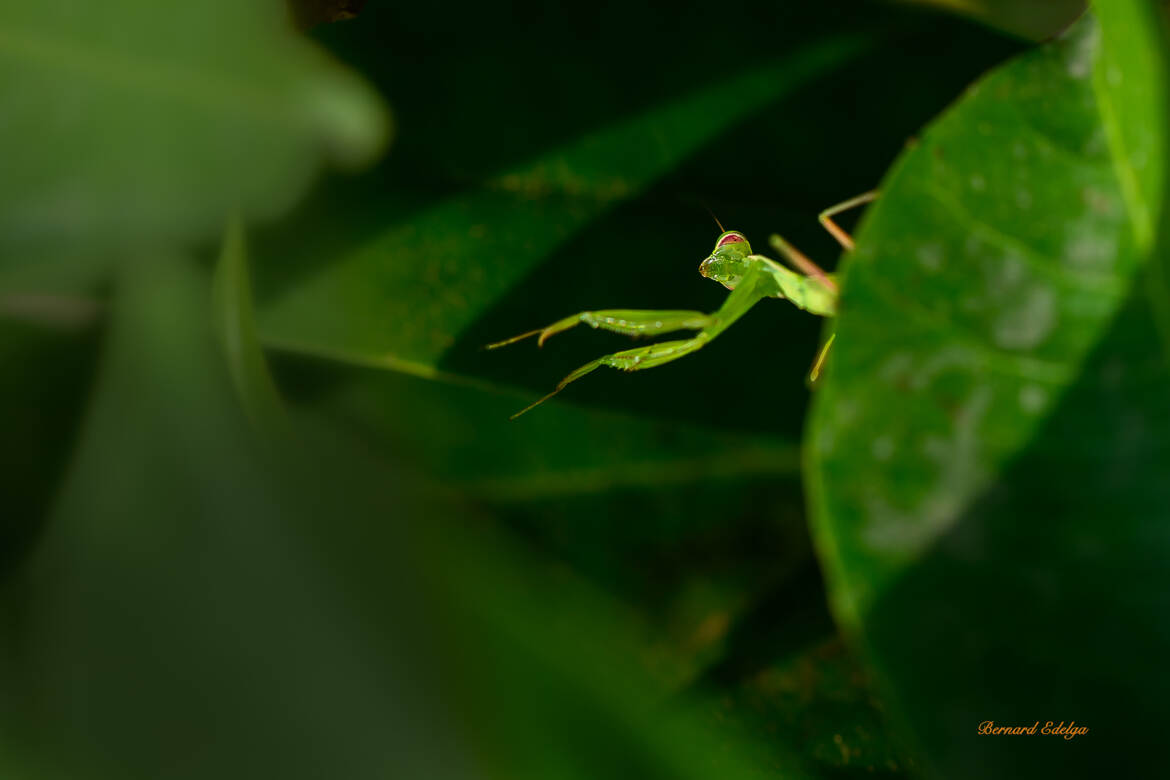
x: 745, y: 295
x: 630, y: 322
x: 629, y: 360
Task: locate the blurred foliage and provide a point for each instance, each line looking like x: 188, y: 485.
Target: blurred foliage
x: 1034, y: 19
x: 308, y: 13
x: 132, y: 130
x: 264, y: 513
x: 236, y: 328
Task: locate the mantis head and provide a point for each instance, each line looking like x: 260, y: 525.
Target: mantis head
x: 728, y: 261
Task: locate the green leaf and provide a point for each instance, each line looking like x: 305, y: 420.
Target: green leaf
x: 615, y: 495
x: 988, y: 453
x: 193, y: 588
x: 821, y: 699
x: 133, y: 123
x: 42, y: 412
x: 232, y: 299
x: 177, y: 590
x: 562, y: 691
x: 696, y: 531
x: 400, y: 301
x: 1034, y: 19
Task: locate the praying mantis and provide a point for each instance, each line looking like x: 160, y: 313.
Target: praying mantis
x: 750, y: 277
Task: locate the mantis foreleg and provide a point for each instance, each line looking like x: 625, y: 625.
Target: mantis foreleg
x: 751, y: 277
x: 742, y: 298
x: 631, y: 322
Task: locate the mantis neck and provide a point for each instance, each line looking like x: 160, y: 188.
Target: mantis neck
x: 805, y: 292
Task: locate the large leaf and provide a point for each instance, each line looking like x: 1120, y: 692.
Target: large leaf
x: 592, y: 195
x: 236, y: 326
x: 173, y: 597
x: 42, y: 414
x: 199, y: 603
x: 1035, y: 19
x: 988, y: 454
x: 401, y: 299
x: 132, y: 122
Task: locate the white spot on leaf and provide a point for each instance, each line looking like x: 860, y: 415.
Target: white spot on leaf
x: 930, y: 256
x: 882, y: 448
x: 1026, y: 324
x: 1089, y: 245
x: 1033, y: 398
x: 960, y: 475
x: 1012, y: 271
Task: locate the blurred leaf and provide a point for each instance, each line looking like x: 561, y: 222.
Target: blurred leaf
x: 366, y: 269
x: 401, y: 300
x: 989, y: 449
x: 196, y: 606
x: 557, y: 690
x: 1129, y: 81
x: 464, y: 434
x: 312, y: 12
x: 1034, y: 19
x: 820, y: 699
x: 174, y: 619
x: 237, y: 332
x: 140, y: 123
x: 710, y: 513
x: 42, y: 410
x: 697, y: 532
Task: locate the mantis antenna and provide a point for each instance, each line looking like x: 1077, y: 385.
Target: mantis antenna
x: 717, y: 222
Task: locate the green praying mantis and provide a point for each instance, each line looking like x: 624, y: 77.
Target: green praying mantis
x: 750, y: 277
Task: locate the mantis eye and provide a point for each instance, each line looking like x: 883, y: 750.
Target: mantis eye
x: 730, y: 238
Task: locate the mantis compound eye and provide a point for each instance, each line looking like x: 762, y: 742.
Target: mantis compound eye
x: 730, y: 238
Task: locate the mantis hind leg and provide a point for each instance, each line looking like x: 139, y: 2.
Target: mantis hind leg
x: 815, y: 372
x: 826, y: 217
x: 801, y: 262
x: 630, y: 322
